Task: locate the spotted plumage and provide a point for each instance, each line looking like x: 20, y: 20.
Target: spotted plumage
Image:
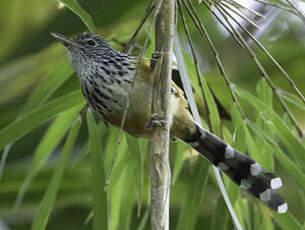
x: 106, y: 77
x: 240, y: 168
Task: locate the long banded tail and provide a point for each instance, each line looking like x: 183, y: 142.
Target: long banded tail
x: 245, y: 172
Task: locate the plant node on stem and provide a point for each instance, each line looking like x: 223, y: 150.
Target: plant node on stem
x: 159, y: 157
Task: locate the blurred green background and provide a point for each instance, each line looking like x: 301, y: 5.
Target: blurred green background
x: 34, y: 70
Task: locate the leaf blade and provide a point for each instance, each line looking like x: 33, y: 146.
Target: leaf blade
x: 48, y: 200
x: 98, y: 176
x: 49, y: 141
x: 80, y: 12
x: 33, y: 119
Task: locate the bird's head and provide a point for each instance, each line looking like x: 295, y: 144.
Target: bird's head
x: 84, y: 50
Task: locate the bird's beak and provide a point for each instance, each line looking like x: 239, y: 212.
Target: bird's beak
x: 66, y: 41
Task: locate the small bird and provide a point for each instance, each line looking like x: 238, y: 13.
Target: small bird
x: 106, y: 77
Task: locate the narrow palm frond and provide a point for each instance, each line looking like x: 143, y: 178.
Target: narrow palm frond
x: 226, y: 15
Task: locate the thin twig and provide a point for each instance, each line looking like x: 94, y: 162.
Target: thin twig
x: 299, y: 13
x: 226, y: 198
x: 253, y: 56
x: 239, y: 5
x: 132, y: 40
x: 221, y: 68
x: 276, y: 5
x: 157, y: 8
x: 228, y: 28
x: 196, y: 64
x: 260, y: 45
x: 3, y: 158
x: 204, y: 33
x: 116, y: 149
x: 241, y: 15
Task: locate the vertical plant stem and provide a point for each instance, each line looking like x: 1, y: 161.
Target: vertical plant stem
x: 159, y: 157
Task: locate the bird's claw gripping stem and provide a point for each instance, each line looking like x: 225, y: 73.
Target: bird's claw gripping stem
x: 155, y: 121
x: 154, y: 58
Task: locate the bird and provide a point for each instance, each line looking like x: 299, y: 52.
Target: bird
x: 108, y: 78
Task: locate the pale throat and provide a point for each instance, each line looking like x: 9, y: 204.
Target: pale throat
x: 80, y: 65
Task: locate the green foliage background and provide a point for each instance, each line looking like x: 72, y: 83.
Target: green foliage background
x: 54, y: 175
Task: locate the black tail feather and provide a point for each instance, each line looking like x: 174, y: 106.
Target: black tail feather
x: 245, y: 172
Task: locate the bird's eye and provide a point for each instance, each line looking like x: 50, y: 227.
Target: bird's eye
x: 91, y: 42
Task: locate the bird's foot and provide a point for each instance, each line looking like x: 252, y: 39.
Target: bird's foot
x: 155, y: 121
x: 154, y: 58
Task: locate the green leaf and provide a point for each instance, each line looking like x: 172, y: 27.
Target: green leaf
x: 264, y: 92
x: 185, y: 78
x: 55, y: 78
x: 122, y: 173
x: 122, y: 202
x: 254, y: 149
x: 48, y: 200
x: 99, y: 200
x: 239, y: 143
x: 190, y: 211
x: 4, y: 156
x: 220, y: 215
x: 190, y: 97
x: 293, y: 99
x: 287, y: 221
x: 137, y: 156
x: 239, y: 140
x: 110, y: 145
x: 278, y: 126
x: 144, y: 220
x: 128, y: 200
x: 242, y: 211
x: 295, y: 148
x: 296, y: 173
x: 284, y: 160
x: 265, y: 95
x: 251, y: 99
x: 232, y: 189
x: 81, y: 13
x: 85, y: 150
x: 117, y: 197
x: 267, y: 224
x: 205, y: 93
x: 49, y: 141
x: 178, y: 150
x: 33, y: 119
x: 53, y: 136
x: 212, y: 107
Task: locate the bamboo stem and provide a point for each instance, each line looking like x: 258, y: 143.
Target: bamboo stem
x: 159, y: 157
